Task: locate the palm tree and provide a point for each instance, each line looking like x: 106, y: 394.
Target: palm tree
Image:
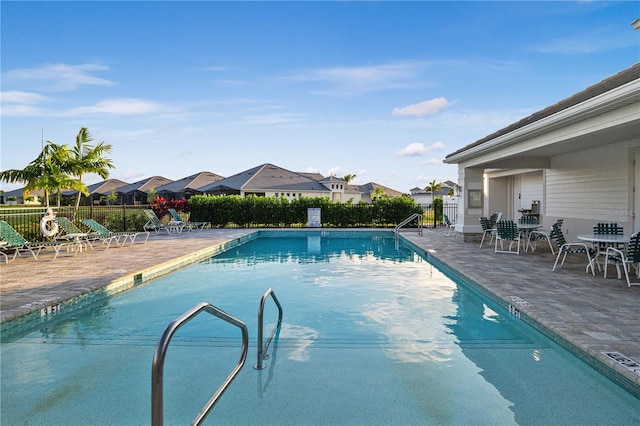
x: 377, y: 193
x: 86, y: 158
x: 46, y: 172
x: 348, y: 178
x: 433, y: 186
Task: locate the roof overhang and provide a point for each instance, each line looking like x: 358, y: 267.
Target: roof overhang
x: 610, y: 117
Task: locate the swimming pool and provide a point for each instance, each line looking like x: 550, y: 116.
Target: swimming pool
x: 372, y: 334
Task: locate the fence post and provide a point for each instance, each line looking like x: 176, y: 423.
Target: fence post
x: 124, y: 217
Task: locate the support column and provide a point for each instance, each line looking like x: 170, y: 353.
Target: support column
x: 470, y: 205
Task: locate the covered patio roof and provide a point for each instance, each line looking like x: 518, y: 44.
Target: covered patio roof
x: 606, y: 111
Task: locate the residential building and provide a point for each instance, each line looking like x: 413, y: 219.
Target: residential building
x: 577, y: 160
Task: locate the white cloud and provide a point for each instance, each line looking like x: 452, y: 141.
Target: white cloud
x: 281, y: 118
x: 422, y: 108
x: 418, y: 149
x: 124, y: 106
x: 56, y: 77
x: 19, y: 97
x: 433, y: 161
x: 361, y: 79
x: 335, y: 171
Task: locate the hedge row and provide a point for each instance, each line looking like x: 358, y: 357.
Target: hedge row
x: 255, y: 211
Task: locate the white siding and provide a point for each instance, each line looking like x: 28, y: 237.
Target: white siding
x: 531, y: 189
x: 591, y: 184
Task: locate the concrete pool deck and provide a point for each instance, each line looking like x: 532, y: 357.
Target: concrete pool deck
x: 593, y: 314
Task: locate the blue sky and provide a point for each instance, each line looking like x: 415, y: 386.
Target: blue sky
x: 382, y: 90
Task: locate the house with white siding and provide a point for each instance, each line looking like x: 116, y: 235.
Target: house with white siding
x: 577, y: 160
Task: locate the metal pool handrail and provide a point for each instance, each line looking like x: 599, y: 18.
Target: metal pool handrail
x: 161, y: 350
x: 263, y: 349
x: 409, y: 219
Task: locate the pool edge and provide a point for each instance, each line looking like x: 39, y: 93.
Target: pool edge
x: 623, y: 377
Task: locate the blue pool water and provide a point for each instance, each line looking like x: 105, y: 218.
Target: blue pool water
x: 372, y: 334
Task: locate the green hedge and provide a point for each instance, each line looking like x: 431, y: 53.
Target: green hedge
x: 254, y: 211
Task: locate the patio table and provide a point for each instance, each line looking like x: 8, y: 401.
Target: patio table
x: 526, y: 228
x: 608, y: 239
x: 77, y: 238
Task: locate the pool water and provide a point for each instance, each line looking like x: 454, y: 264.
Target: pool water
x: 372, y: 334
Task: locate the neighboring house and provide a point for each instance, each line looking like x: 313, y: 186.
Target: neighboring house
x: 577, y: 160
x: 188, y: 186
x: 18, y: 196
x: 136, y: 193
x: 423, y: 196
x: 268, y: 180
x: 96, y: 192
x: 370, y: 190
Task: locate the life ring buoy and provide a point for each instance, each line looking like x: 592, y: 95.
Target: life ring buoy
x: 48, y: 226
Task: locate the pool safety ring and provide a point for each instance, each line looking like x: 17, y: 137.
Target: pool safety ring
x: 48, y: 225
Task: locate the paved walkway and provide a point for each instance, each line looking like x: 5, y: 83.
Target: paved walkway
x: 595, y: 314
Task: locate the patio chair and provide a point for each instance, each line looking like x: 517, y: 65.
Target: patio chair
x: 507, y: 230
x: 153, y: 223
x: 70, y: 232
x: 189, y: 225
x: 628, y: 258
x: 528, y: 220
x: 109, y: 236
x: 449, y: 225
x: 539, y: 235
x: 608, y: 229
x: 17, y: 243
x: 489, y: 226
x: 573, y: 247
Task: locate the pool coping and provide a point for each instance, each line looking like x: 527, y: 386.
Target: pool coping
x: 595, y: 359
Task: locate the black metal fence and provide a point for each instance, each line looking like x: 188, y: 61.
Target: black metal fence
x: 433, y: 220
x: 26, y: 220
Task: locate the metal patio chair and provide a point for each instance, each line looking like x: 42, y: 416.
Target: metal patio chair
x: 565, y: 248
x: 507, y: 230
x: 627, y: 259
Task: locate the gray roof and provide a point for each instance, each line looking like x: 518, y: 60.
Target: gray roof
x: 623, y: 77
x: 193, y: 183
x: 101, y: 188
x: 266, y: 177
x: 144, y: 185
x: 368, y: 189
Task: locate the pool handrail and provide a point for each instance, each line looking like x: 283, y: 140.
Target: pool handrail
x: 263, y: 349
x: 157, y: 369
x: 408, y: 220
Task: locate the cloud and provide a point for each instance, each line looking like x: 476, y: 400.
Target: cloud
x: 124, y: 106
x: 56, y: 77
x: 418, y: 149
x: 282, y: 118
x: 433, y: 161
x: 360, y: 79
x: 599, y: 40
x: 336, y: 171
x: 422, y: 108
x: 19, y: 97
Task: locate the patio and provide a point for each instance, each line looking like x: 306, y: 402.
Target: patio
x: 592, y: 313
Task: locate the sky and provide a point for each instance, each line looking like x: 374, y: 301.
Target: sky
x: 384, y: 90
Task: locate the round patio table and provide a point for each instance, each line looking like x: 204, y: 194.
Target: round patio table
x: 608, y: 239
